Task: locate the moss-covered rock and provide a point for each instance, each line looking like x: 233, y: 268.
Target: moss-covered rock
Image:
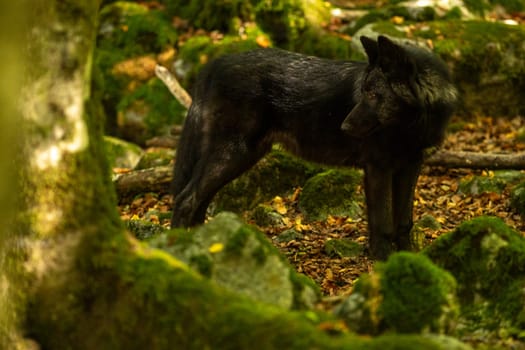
x: 201, y: 49
x: 487, y: 258
x: 155, y: 157
x: 406, y: 294
x: 121, y: 154
x: 129, y: 39
x: 331, y: 193
x: 495, y: 182
x: 342, y: 248
x: 276, y: 174
x: 265, y: 215
x: 240, y: 258
x: 517, y: 199
x: 143, y: 229
x: 418, y: 233
x: 287, y: 20
x: 148, y: 110
x: 487, y: 60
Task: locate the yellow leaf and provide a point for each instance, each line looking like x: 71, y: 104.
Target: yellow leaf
x: 398, y: 20
x: 330, y: 220
x: 135, y: 217
x: 361, y: 239
x: 278, y: 205
x: 263, y: 40
x: 203, y: 59
x: 216, y: 248
x: 441, y: 219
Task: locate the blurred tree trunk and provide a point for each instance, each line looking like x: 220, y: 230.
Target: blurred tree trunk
x: 71, y: 277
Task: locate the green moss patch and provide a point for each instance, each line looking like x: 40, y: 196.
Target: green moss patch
x: 331, y: 193
x: 276, y: 174
x: 406, y: 294
x: 240, y: 258
x: 488, y: 260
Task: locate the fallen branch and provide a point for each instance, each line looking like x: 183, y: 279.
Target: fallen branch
x: 173, y: 85
x: 473, y: 160
x: 141, y: 181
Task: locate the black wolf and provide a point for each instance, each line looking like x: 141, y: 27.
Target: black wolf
x: 379, y: 115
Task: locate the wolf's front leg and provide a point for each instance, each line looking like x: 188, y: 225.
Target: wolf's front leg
x: 404, y: 184
x: 378, y: 191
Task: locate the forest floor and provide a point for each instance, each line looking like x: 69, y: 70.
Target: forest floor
x: 437, y: 194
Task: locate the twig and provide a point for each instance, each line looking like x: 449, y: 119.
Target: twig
x: 173, y: 85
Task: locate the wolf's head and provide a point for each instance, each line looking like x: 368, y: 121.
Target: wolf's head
x: 401, y: 85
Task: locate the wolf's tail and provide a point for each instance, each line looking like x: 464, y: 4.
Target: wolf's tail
x: 187, y: 153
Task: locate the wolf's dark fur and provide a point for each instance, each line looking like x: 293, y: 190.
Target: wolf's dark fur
x: 379, y: 115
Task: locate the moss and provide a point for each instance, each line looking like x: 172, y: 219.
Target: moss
x: 156, y: 106
x: 487, y: 60
x: 286, y: 20
x: 342, y: 248
x: 143, y: 229
x: 237, y: 241
x: 133, y: 29
x: 154, y: 158
x: 330, y: 193
x: 495, y: 181
x: 265, y: 215
x: 121, y: 154
x: 278, y: 173
x: 203, y: 264
x: 487, y: 258
x: 211, y: 14
x: 140, y: 299
x: 323, y: 44
x: 481, y: 7
x: 405, y: 294
x: 417, y: 295
x: 517, y: 199
x: 199, y: 50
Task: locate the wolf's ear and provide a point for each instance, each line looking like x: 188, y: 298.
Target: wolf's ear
x: 394, y: 60
x: 371, y: 48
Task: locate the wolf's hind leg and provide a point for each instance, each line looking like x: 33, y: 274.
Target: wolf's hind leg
x: 220, y: 164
